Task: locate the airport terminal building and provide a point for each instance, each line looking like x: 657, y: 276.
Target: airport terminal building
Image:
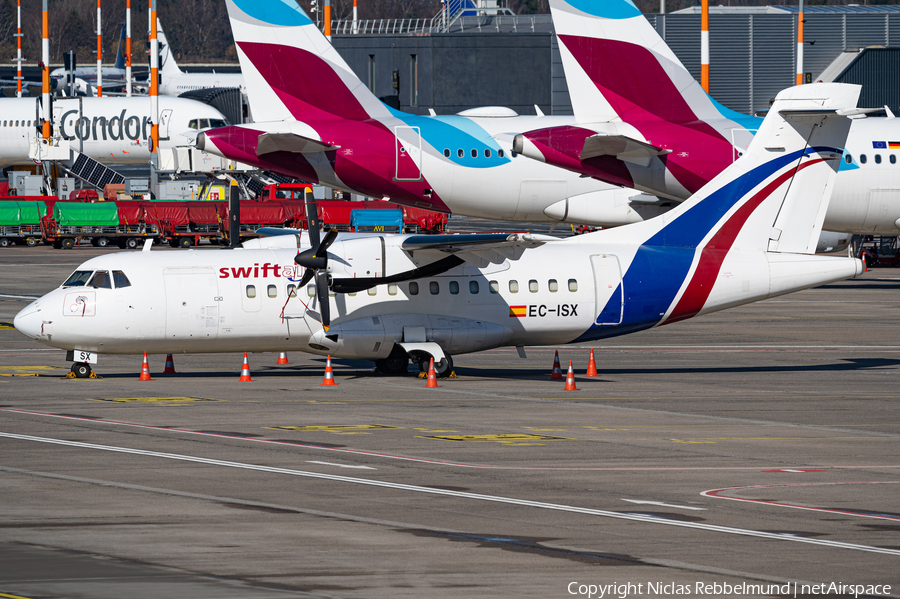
x: 513, y: 60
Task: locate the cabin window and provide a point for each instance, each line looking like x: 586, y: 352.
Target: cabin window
x: 434, y: 287
x: 474, y: 153
x: 494, y: 286
x: 414, y: 288
x: 78, y: 278
x: 460, y: 153
x: 372, y: 290
x: 392, y: 289
x: 454, y: 287
x: 251, y: 291
x: 17, y: 123
x: 487, y: 153
x: 532, y: 286
x: 573, y: 285
x: 272, y: 291
x: 101, y: 280
x: 311, y: 290
x: 500, y: 153
x: 552, y: 285
x: 514, y: 287
x: 120, y: 279
x: 447, y: 152
x: 473, y: 287
x: 893, y: 159
x: 292, y: 291
x: 877, y: 158
x: 848, y: 159
x: 862, y: 158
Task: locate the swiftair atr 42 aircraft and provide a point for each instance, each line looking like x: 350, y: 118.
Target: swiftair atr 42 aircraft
x: 316, y: 121
x: 747, y: 235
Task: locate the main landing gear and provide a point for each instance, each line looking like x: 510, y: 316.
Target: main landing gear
x: 81, y: 370
x: 397, y: 363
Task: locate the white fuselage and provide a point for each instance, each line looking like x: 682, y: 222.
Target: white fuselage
x: 110, y: 130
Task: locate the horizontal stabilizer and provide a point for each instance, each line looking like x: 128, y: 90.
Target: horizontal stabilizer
x: 290, y: 142
x: 620, y: 146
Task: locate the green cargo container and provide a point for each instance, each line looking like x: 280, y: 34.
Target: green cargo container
x: 30, y: 213
x: 9, y: 214
x: 77, y: 214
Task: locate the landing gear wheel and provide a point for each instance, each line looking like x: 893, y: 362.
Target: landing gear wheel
x: 442, y: 368
x: 132, y: 243
x: 395, y: 364
x: 31, y: 241
x: 185, y: 242
x: 81, y: 370
x: 68, y: 243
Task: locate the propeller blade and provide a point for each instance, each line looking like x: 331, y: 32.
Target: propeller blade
x: 326, y: 243
x: 312, y: 220
x: 308, y: 274
x: 322, y: 292
x: 309, y: 259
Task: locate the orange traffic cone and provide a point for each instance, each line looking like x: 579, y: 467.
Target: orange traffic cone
x: 592, y: 366
x: 865, y: 263
x: 432, y: 378
x: 145, y: 370
x: 570, y: 379
x: 245, y: 371
x: 282, y: 359
x: 556, y: 375
x: 329, y: 374
x: 170, y: 365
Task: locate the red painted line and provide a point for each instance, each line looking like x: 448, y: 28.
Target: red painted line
x: 719, y: 494
x: 401, y: 457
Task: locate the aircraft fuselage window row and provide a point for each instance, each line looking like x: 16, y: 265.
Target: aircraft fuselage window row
x: 460, y: 153
x: 18, y: 123
x: 892, y: 158
x: 99, y: 280
x: 434, y: 288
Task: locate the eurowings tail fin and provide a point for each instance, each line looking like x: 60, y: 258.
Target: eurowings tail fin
x: 291, y: 70
x: 619, y: 68
x: 120, y: 52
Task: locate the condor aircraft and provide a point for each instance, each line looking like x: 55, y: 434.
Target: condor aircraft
x: 747, y: 235
x: 110, y: 130
x: 322, y: 124
x: 174, y: 81
x: 641, y: 120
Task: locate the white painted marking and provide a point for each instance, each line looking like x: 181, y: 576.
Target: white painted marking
x: 341, y: 465
x: 30, y: 297
x: 789, y: 470
x: 680, y: 507
x: 461, y: 494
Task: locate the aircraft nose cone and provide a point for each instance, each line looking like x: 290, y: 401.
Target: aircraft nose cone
x: 28, y: 321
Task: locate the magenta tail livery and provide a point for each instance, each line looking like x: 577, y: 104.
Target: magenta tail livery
x: 318, y: 122
x: 643, y: 121
x: 747, y: 235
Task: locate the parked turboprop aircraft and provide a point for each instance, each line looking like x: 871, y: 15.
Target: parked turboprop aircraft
x: 113, y: 76
x: 747, y: 235
x: 174, y: 81
x: 324, y: 125
x: 110, y: 130
x: 646, y: 123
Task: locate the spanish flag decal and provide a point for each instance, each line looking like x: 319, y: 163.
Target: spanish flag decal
x: 517, y: 311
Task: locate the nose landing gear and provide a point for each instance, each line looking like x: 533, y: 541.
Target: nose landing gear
x: 81, y: 370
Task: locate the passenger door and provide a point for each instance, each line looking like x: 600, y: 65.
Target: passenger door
x: 609, y: 289
x: 408, y: 154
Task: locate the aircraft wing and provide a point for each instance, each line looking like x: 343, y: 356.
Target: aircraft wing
x: 290, y: 142
x: 620, y: 146
x: 477, y: 249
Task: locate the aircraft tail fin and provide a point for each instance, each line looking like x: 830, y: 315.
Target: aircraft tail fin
x: 120, y: 52
x: 291, y: 70
x: 168, y: 66
x: 619, y: 68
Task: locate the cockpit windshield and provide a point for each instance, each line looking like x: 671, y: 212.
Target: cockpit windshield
x: 101, y: 280
x: 78, y: 278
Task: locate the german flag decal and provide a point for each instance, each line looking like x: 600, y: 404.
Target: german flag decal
x: 894, y: 145
x: 517, y: 311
